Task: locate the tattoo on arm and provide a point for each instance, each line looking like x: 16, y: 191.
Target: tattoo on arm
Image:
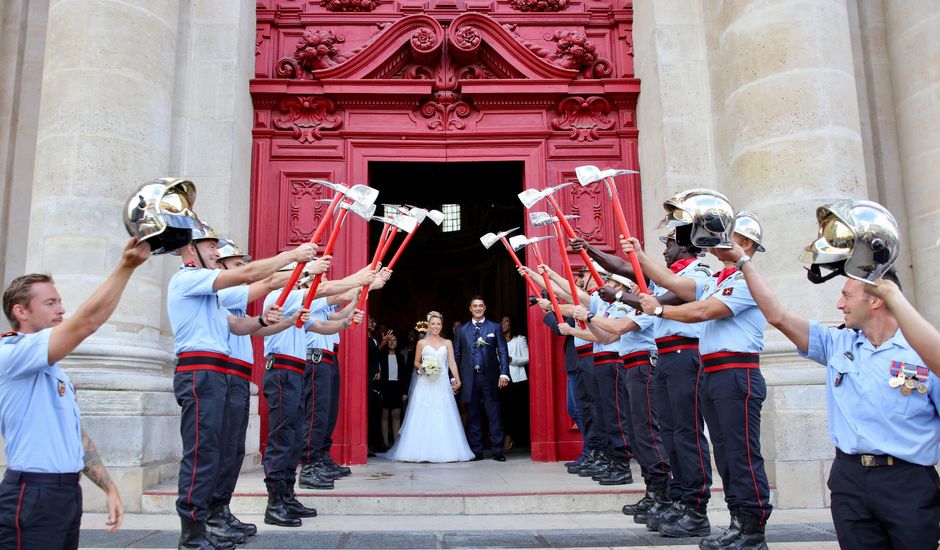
x: 94, y: 467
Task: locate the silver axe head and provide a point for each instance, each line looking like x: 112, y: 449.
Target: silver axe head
x: 589, y: 174
x: 365, y: 212
x: 490, y: 239
x: 358, y: 193
x: 404, y: 223
x: 436, y: 216
x: 531, y: 196
x: 519, y: 242
x: 539, y: 219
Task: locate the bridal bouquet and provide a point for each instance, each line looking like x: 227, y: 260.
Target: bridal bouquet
x: 431, y: 367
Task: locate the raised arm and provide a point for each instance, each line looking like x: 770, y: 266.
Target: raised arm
x: 260, y: 269
x: 919, y: 333
x: 610, y: 262
x: 97, y: 309
x: 684, y: 287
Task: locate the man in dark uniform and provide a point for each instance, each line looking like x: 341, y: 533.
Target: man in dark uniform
x: 574, y: 405
x: 201, y: 328
x: 46, y: 448
x: 881, y: 381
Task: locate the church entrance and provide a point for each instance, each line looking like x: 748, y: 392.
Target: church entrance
x: 443, y: 267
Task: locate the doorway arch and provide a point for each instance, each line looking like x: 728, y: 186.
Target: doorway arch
x: 333, y: 96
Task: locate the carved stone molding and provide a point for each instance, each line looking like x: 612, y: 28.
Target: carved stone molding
x: 315, y: 50
x: 582, y: 117
x: 306, y: 206
x: 306, y: 117
x: 349, y: 5
x: 538, y: 5
x: 575, y: 51
x: 587, y: 204
x: 445, y: 111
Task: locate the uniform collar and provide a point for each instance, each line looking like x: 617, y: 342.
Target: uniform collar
x: 679, y: 265
x: 10, y: 333
x: 897, y: 339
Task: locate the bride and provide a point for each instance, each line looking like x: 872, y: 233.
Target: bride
x: 432, y: 430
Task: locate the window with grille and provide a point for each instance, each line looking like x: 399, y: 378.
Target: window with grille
x: 451, y: 217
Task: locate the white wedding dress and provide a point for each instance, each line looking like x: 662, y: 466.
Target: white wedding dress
x: 432, y: 430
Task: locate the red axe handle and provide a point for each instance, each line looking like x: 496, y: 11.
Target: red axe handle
x: 321, y: 228
x: 388, y: 242
x: 570, y: 232
x: 401, y: 248
x: 567, y: 265
x: 380, y: 249
x: 548, y: 285
x: 528, y: 280
x: 622, y: 220
x: 334, y: 234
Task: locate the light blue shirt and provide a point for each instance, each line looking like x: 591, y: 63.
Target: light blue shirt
x: 235, y: 300
x: 743, y: 330
x: 39, y: 418
x: 291, y: 341
x: 640, y: 339
x: 697, y: 270
x: 593, y: 307
x: 616, y: 310
x: 199, y: 321
x: 866, y: 415
x: 315, y: 339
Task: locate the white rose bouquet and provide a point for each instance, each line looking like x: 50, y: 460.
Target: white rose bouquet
x: 432, y: 368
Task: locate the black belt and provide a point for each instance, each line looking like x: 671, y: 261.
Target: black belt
x: 15, y: 477
x: 203, y: 360
x: 316, y: 355
x: 286, y: 362
x: 870, y: 461
x: 669, y: 344
x: 636, y: 359
x: 723, y: 360
x: 585, y: 350
x: 607, y: 358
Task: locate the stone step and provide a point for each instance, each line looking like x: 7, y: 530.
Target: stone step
x: 518, y: 486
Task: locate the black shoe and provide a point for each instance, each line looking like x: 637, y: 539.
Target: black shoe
x: 277, y: 512
x: 643, y: 505
x: 296, y: 508
x: 326, y: 470
x: 193, y: 535
x: 575, y: 466
x: 691, y: 522
x: 219, y: 529
x: 249, y: 529
x: 597, y: 468
x: 343, y: 470
x: 499, y: 457
x: 662, y: 515
x: 618, y: 474
x: 724, y: 539
x: 476, y: 456
x: 310, y: 478
x: 750, y: 537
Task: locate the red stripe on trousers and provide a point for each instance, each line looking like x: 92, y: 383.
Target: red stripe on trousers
x: 19, y: 505
x: 192, y: 482
x: 747, y: 444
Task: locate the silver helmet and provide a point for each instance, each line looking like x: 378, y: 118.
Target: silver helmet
x: 747, y: 225
x: 230, y: 250
x: 857, y: 238
x: 202, y: 232
x: 701, y: 217
x: 160, y: 213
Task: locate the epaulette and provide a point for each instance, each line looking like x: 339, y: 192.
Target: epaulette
x: 738, y: 276
x: 703, y: 268
x: 11, y: 337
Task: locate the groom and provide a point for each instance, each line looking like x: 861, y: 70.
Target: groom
x: 481, y: 355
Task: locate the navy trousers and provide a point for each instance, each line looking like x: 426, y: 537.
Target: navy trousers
x: 731, y: 404
x: 334, y: 387
x: 283, y: 389
x: 646, y: 442
x: 676, y: 389
x: 484, y: 397
x: 588, y: 394
x: 234, y: 430
x: 885, y: 506
x: 318, y: 398
x: 614, y: 404
x: 201, y: 395
x: 40, y: 515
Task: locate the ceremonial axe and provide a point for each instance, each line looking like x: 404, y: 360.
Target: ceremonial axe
x: 539, y: 219
x: 361, y: 194
x: 530, y: 197
x: 490, y: 239
x: 590, y: 174
x: 519, y: 242
x: 419, y: 214
x: 403, y: 222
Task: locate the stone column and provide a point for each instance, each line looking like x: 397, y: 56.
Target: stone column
x: 104, y: 128
x: 911, y: 29
x: 788, y: 140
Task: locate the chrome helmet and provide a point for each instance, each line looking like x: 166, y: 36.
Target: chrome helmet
x: 701, y: 217
x: 747, y: 225
x: 857, y: 238
x: 160, y: 213
x: 231, y: 250
x: 670, y: 235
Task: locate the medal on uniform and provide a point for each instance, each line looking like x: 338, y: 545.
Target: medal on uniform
x: 894, y: 382
x: 61, y: 388
x: 905, y: 390
x: 921, y: 388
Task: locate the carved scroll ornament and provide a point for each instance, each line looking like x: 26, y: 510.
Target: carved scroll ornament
x: 538, y: 5
x: 307, y: 116
x: 349, y: 5
x: 583, y: 118
x: 315, y: 50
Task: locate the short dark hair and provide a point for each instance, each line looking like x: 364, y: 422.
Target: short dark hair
x: 20, y: 292
x: 477, y: 297
x: 892, y: 276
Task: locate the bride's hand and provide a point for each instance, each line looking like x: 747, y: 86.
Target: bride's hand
x: 455, y: 384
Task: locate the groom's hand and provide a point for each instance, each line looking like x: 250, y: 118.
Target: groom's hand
x: 503, y: 382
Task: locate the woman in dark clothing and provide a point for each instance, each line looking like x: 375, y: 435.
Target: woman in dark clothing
x: 395, y: 381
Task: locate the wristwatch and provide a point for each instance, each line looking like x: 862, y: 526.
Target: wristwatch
x: 658, y: 311
x: 589, y: 317
x: 261, y: 321
x: 741, y: 261
x: 618, y: 295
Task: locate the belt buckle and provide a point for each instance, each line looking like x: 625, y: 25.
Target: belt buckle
x: 477, y: 369
x: 316, y: 355
x: 868, y: 460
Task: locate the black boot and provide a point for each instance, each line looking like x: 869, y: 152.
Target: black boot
x: 575, y: 465
x: 295, y: 507
x: 277, y: 512
x: 599, y: 466
x: 724, y: 539
x: 751, y: 537
x: 311, y: 478
x: 586, y: 461
x: 193, y: 537
x: 618, y: 474
x: 343, y: 470
x: 661, y: 503
x: 326, y: 470
x: 249, y: 529
x: 692, y: 522
x: 219, y: 529
x: 641, y: 505
x: 662, y: 515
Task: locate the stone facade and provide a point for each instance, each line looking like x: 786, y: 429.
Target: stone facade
x: 781, y: 105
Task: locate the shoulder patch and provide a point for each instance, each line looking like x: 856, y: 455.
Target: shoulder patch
x: 739, y: 276
x: 727, y: 291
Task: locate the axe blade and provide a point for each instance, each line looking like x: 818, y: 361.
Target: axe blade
x: 502, y: 234
x: 518, y: 242
x: 436, y: 216
x: 530, y: 197
x: 539, y: 219
x: 338, y: 187
x: 365, y: 212
x: 416, y: 213
x: 405, y: 223
x: 489, y: 240
x: 362, y: 194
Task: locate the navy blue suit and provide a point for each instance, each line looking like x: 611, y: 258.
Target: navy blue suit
x: 480, y: 367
